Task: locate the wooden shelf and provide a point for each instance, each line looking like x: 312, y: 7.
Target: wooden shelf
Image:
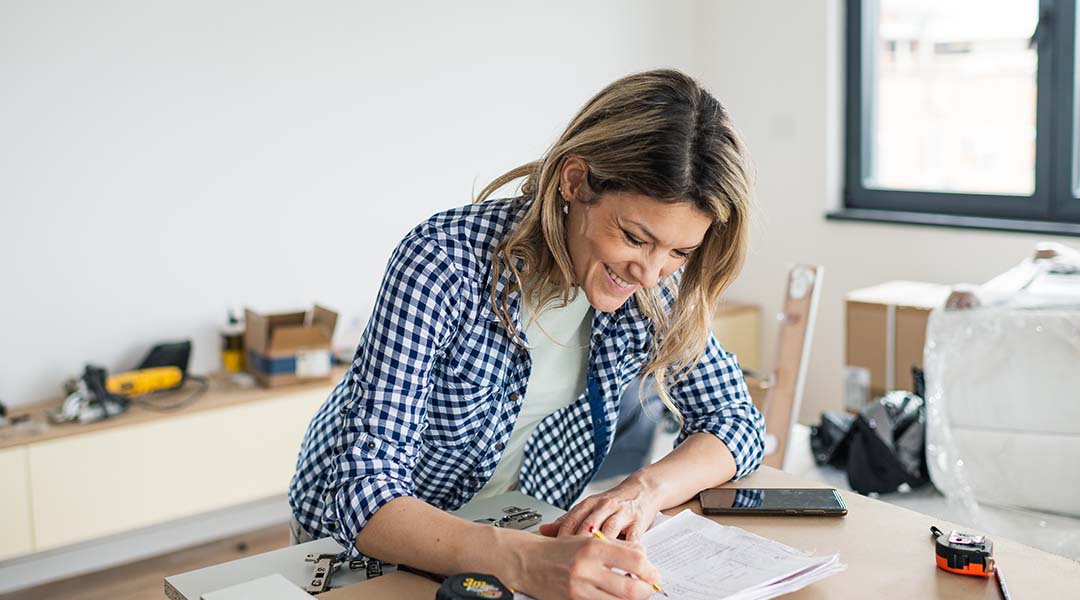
x: 220, y: 395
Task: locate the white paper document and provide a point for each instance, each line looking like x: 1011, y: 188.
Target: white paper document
x: 700, y: 559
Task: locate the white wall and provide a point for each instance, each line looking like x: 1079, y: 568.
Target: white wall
x: 777, y: 65
x: 161, y: 161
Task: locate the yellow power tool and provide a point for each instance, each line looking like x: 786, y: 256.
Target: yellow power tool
x: 144, y: 381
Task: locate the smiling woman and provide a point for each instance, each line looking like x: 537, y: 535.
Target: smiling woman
x: 654, y: 162
x: 505, y: 333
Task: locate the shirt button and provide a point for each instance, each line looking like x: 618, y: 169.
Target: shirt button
x: 499, y: 447
x: 473, y: 481
x: 596, y: 338
x: 599, y: 422
x: 514, y: 397
x: 370, y: 445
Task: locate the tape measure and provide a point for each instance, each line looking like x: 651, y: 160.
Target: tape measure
x: 468, y: 586
x: 967, y: 554
x: 964, y: 553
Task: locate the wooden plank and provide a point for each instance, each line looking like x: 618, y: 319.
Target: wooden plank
x: 792, y: 354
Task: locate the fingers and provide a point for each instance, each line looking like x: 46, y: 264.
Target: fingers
x: 615, y: 523
x: 624, y: 586
x: 600, y: 510
x: 638, y: 527
x: 605, y: 566
x: 609, y: 514
x: 550, y: 529
x: 631, y: 557
x: 571, y: 522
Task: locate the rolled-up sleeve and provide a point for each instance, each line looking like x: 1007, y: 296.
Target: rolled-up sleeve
x: 416, y: 313
x: 713, y: 398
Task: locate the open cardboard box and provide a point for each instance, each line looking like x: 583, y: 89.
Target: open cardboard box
x: 885, y: 335
x: 289, y: 347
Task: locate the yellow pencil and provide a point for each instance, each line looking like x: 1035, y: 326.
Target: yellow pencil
x: 600, y: 535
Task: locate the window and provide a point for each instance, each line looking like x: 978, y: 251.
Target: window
x: 963, y: 112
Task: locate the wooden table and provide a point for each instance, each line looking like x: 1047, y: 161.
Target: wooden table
x: 888, y: 551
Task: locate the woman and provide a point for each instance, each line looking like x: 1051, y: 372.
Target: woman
x: 505, y: 332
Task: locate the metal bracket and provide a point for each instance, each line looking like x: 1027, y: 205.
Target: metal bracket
x: 325, y: 565
x: 514, y: 518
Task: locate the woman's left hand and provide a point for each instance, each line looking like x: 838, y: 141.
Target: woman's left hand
x: 629, y: 509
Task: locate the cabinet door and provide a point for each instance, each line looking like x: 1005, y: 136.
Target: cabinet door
x: 16, y: 537
x: 107, y: 482
x: 738, y: 329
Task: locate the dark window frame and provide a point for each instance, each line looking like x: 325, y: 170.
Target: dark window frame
x: 1052, y: 208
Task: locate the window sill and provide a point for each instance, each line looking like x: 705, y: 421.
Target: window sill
x: 955, y: 221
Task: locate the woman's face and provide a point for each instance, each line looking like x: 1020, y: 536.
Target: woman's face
x: 624, y: 241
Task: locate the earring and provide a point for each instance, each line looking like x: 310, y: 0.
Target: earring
x: 566, y: 208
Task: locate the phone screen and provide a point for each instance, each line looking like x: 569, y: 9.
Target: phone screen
x: 772, y: 501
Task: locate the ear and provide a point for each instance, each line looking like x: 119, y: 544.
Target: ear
x: 573, y: 180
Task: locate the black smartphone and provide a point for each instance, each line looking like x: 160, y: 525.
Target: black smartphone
x: 773, y: 501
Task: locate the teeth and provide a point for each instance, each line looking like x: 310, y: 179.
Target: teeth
x: 619, y: 280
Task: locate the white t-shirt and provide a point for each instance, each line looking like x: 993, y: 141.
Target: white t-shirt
x: 559, y: 347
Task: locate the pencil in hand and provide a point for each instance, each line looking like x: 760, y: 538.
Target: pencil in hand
x: 600, y: 536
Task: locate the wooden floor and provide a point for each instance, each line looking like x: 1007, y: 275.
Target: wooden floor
x: 145, y: 579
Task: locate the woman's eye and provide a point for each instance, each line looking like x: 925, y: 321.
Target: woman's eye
x: 633, y: 240
x: 682, y: 255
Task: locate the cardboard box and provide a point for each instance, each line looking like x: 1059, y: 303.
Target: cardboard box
x: 737, y: 326
x: 885, y: 334
x: 290, y: 347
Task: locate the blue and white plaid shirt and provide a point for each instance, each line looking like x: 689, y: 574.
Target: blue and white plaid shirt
x: 437, y: 384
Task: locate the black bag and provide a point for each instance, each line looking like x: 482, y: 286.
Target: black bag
x: 829, y: 441
x: 883, y: 447
x: 887, y: 445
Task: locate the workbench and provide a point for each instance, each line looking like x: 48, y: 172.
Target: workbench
x: 888, y: 550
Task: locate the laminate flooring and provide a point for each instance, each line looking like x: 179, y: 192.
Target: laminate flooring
x: 145, y: 579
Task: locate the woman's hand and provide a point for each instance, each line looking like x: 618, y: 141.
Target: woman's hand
x: 627, y: 509
x: 579, y: 568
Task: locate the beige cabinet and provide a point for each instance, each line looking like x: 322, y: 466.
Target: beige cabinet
x: 737, y: 326
x: 66, y: 484
x: 16, y: 536
x: 99, y: 484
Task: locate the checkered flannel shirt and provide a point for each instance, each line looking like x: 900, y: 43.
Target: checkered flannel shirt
x: 436, y: 385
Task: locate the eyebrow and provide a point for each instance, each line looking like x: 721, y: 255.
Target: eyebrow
x: 656, y: 240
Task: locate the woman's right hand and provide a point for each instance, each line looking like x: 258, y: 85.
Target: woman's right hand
x: 580, y: 568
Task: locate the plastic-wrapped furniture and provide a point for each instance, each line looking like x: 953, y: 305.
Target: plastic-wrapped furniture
x: 1003, y: 391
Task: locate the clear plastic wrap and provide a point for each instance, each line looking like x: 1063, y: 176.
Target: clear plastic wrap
x: 1003, y: 415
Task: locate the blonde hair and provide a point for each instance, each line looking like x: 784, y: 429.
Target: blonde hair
x: 658, y: 134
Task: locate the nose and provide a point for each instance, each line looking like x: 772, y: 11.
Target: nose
x: 647, y: 270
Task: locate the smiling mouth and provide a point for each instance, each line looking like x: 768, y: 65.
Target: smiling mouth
x: 619, y: 281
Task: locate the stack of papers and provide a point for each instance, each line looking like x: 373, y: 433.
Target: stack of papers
x: 700, y: 559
